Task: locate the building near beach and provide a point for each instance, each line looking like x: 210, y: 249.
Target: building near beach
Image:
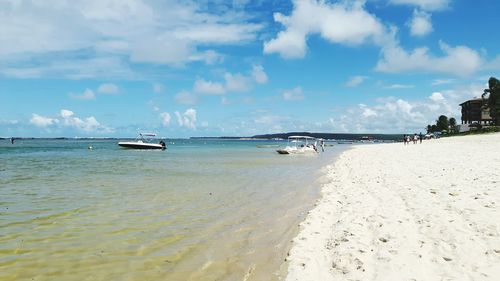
x: 474, y: 111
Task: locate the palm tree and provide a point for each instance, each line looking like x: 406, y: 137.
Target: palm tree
x: 453, y: 124
x: 493, y: 100
x: 442, y: 123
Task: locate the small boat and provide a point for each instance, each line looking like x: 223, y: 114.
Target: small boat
x: 144, y: 141
x: 300, y: 145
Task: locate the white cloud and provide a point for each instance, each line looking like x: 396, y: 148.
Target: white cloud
x: 396, y: 115
x: 437, y: 97
x: 185, y: 97
x: 66, y: 113
x: 343, y: 23
x: 355, y: 81
x: 236, y: 82
x: 209, y: 57
x: 293, y: 94
x: 366, y: 111
x: 89, y: 124
x: 437, y: 82
x: 187, y: 119
x: 167, y: 32
x: 259, y: 75
x: 41, y: 121
x: 459, y: 60
x: 86, y: 95
x: 428, y: 5
x: 420, y: 24
x: 108, y: 88
x: 208, y: 87
x: 399, y: 86
x: 8, y: 122
x: 68, y: 119
x: 158, y: 88
x: 165, y: 119
x: 60, y: 66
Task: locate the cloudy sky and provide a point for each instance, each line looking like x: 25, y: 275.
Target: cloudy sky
x: 239, y: 68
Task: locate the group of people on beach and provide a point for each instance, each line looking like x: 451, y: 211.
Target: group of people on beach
x: 407, y: 139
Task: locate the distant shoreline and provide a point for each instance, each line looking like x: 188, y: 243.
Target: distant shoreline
x: 279, y: 136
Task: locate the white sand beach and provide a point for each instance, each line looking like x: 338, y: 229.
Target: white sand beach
x: 427, y: 211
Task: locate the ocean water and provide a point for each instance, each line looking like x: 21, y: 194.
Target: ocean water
x: 201, y: 210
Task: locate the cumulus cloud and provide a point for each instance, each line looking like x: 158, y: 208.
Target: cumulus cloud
x: 233, y: 82
x: 236, y: 82
x: 165, y: 119
x: 258, y: 74
x: 420, y: 24
x: 397, y: 115
x: 41, y: 121
x: 108, y: 88
x: 88, y: 125
x: 208, y: 87
x: 355, y: 81
x: 294, y: 94
x: 187, y: 119
x: 67, y: 119
x: 86, y: 95
x: 342, y: 22
x: 185, y: 97
x: 459, y: 60
x: 428, y: 5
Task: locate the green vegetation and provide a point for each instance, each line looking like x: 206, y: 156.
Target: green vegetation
x: 493, y: 99
x: 443, y: 125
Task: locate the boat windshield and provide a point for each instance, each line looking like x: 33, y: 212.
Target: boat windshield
x: 146, y: 137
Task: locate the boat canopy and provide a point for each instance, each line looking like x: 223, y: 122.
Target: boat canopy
x: 148, y: 134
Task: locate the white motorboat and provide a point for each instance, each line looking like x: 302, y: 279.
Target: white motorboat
x: 144, y: 141
x: 300, y: 145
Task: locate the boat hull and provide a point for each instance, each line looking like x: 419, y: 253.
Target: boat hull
x: 134, y: 145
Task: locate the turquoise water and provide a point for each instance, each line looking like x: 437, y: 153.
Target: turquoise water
x: 201, y: 210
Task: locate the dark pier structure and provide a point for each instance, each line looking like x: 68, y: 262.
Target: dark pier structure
x: 475, y: 112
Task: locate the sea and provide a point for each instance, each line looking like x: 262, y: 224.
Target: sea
x: 200, y: 210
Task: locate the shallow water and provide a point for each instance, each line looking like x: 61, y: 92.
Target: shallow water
x: 201, y: 210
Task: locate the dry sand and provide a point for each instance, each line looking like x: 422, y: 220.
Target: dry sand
x: 428, y: 211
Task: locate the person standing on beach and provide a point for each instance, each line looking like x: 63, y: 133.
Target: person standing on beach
x: 420, y: 137
x: 415, y: 138
x: 404, y: 139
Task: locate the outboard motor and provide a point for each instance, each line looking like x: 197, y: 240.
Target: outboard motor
x: 163, y: 145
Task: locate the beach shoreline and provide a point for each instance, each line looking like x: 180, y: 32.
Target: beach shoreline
x: 394, y: 212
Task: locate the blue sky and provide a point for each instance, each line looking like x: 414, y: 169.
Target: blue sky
x: 239, y: 68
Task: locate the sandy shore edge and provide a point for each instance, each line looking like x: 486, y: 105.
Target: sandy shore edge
x: 392, y: 212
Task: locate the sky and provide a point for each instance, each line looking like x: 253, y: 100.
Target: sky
x: 113, y: 68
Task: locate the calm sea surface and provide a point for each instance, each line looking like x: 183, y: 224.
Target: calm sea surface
x: 201, y: 210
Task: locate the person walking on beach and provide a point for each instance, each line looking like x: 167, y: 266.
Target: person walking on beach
x: 415, y: 138
x: 404, y: 139
x: 420, y: 137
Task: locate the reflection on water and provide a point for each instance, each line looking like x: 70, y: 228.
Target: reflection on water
x: 202, y: 210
